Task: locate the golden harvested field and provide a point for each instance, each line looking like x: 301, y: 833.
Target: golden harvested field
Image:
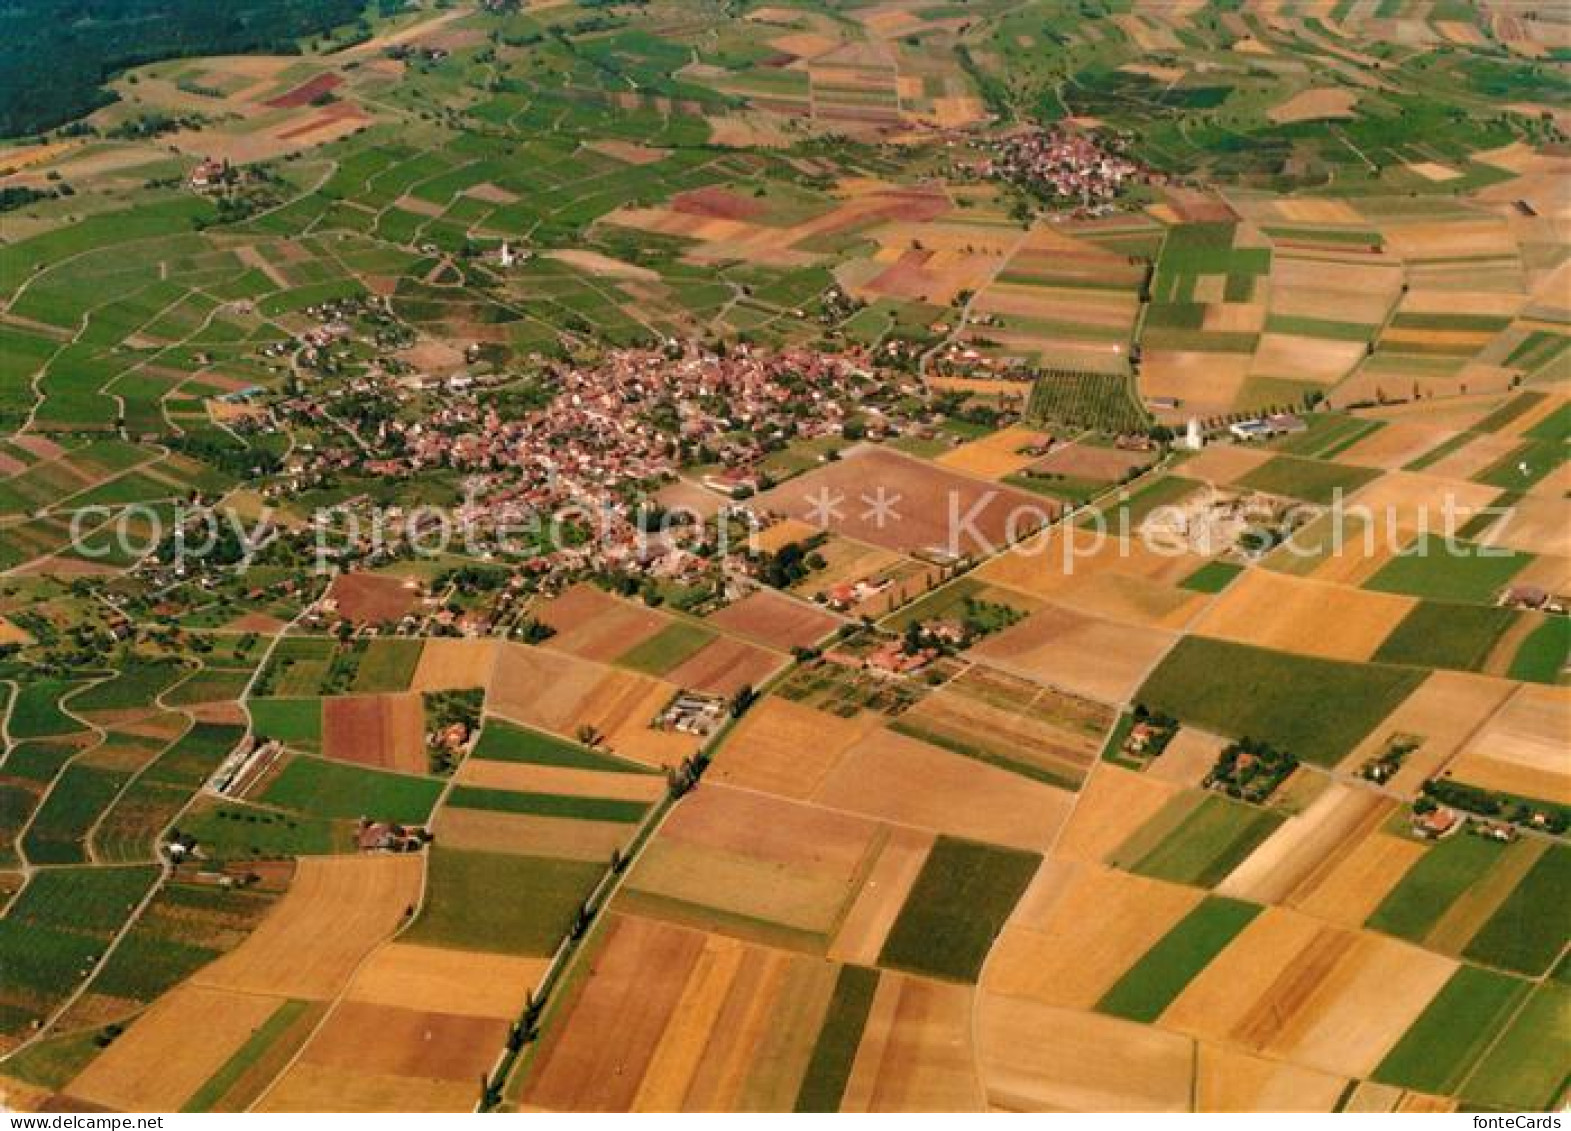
x: 1296, y: 358
x: 1554, y: 486
x: 361, y: 1044
x: 1417, y: 1103
x: 1457, y: 413
x: 593, y: 625
x: 530, y: 777
x: 788, y: 748
x: 1036, y: 1057
x: 1131, y: 599
x: 1395, y: 445
x: 1231, y: 1081
x: 159, y: 1061
x: 312, y: 1087
x: 744, y: 855
x: 560, y: 693
x: 782, y: 533
x: 996, y: 455
x: 1432, y: 378
x: 866, y: 923
x: 1290, y: 614
x: 1372, y: 1098
x: 1339, y: 552
x: 670, y: 1018
x: 448, y: 664
x: 1547, y: 571
x: 1536, y: 525
x: 724, y: 666
x: 1188, y: 757
x: 690, y: 498
x: 903, y: 781
x: 528, y: 835
x: 1204, y: 384
x: 1065, y: 560
x: 1087, y: 461
x: 774, y: 619
x: 1110, y: 806
x: 336, y: 910
x: 1415, y: 501
x: 437, y: 980
x: 1293, y: 988
x: 1348, y: 893
x: 1308, y: 845
x: 1100, y: 308
x: 1522, y: 748
x: 748, y: 896
x: 1314, y: 104
x: 1006, y: 722
x: 938, y: 511
x: 1224, y: 464
x: 1450, y: 239
x: 1445, y: 709
x: 1086, y: 655
x: 1078, y: 928
x: 916, y: 1050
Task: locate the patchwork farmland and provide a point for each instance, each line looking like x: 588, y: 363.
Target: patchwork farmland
x: 853, y: 557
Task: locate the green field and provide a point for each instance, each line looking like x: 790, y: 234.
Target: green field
x: 834, y: 1053
x: 1436, y: 635
x: 58, y: 833
x: 1213, y: 577
x: 297, y: 723
x: 55, y: 1061
x: 37, y: 713
x: 233, y: 831
x: 319, y: 788
x: 674, y: 644
x: 956, y: 908
x: 89, y: 900
x: 1435, y: 1054
x: 1518, y: 405
x: 1241, y: 691
x: 1150, y: 985
x: 1543, y: 655
x: 137, y: 685
x: 463, y: 909
x: 1524, y: 466
x: 1463, y: 572
x: 1309, y: 480
x: 53, y: 932
x: 296, y: 668
x: 210, y: 685
x: 1433, y: 883
x: 1328, y: 433
x: 505, y: 742
x: 387, y: 666
x: 547, y: 804
x: 1526, y: 1069
x: 1211, y: 841
x: 1530, y: 929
